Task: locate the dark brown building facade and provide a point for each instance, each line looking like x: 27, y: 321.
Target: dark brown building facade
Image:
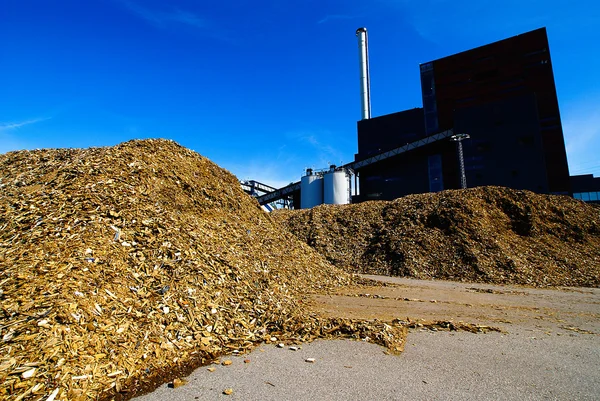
x: 491, y: 77
x: 503, y: 95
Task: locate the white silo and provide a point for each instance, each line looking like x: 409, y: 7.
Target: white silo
x: 311, y: 190
x: 336, y: 187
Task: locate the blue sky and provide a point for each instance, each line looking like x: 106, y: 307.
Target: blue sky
x: 262, y: 88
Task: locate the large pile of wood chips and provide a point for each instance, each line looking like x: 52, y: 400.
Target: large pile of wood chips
x: 487, y: 234
x: 121, y: 266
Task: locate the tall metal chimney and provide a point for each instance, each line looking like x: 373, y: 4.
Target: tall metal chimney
x: 365, y: 84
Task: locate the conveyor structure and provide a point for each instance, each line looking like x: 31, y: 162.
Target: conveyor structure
x: 258, y: 190
x: 286, y: 192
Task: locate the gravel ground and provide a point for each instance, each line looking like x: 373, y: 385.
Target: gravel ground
x: 535, y: 360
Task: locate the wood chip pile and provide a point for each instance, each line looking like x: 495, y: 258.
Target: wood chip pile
x: 120, y: 264
x: 487, y: 234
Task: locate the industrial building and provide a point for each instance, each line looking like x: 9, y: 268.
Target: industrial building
x: 586, y: 187
x: 499, y: 101
x: 503, y: 96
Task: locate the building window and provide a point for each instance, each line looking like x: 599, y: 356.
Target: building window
x: 550, y: 127
x: 512, y: 82
x: 429, y: 101
x: 428, y: 84
x: 431, y: 122
x: 533, y: 53
x: 465, y: 99
x: 473, y: 167
x: 536, y: 64
x: 427, y: 67
x: 526, y: 140
x: 436, y: 181
x: 512, y: 89
x: 483, y: 146
x: 485, y: 58
x: 587, y: 196
x: 484, y: 75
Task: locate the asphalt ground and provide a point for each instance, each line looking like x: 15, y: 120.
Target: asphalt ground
x: 530, y: 361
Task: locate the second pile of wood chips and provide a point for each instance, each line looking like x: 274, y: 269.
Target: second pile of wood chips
x: 120, y: 264
x: 486, y: 234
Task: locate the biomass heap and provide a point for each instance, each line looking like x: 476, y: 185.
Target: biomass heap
x: 120, y: 265
x: 486, y: 234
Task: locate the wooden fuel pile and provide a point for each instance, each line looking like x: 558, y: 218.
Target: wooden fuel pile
x: 122, y: 266
x: 486, y: 234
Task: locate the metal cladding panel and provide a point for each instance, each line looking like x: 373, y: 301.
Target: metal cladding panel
x: 507, y: 69
x: 390, y: 131
x: 506, y: 147
x: 311, y: 191
x: 336, y: 188
x: 585, y: 183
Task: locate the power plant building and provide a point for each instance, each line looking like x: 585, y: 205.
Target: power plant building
x: 503, y: 96
x: 499, y: 101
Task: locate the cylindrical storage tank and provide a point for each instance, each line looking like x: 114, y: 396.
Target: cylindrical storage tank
x: 336, y: 188
x: 311, y: 191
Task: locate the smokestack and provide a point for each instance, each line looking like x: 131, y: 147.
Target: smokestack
x: 365, y: 84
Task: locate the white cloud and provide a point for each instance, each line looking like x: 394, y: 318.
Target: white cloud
x: 162, y: 18
x: 317, y: 152
x: 4, y: 127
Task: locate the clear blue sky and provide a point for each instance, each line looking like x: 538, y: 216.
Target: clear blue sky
x: 263, y: 88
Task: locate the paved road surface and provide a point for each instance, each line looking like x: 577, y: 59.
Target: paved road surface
x: 551, y: 351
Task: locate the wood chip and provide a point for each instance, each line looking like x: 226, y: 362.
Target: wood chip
x: 95, y: 326
x: 53, y: 395
x: 178, y: 383
x: 82, y: 377
x: 483, y: 234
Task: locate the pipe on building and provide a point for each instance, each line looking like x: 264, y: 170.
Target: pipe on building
x: 365, y: 84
